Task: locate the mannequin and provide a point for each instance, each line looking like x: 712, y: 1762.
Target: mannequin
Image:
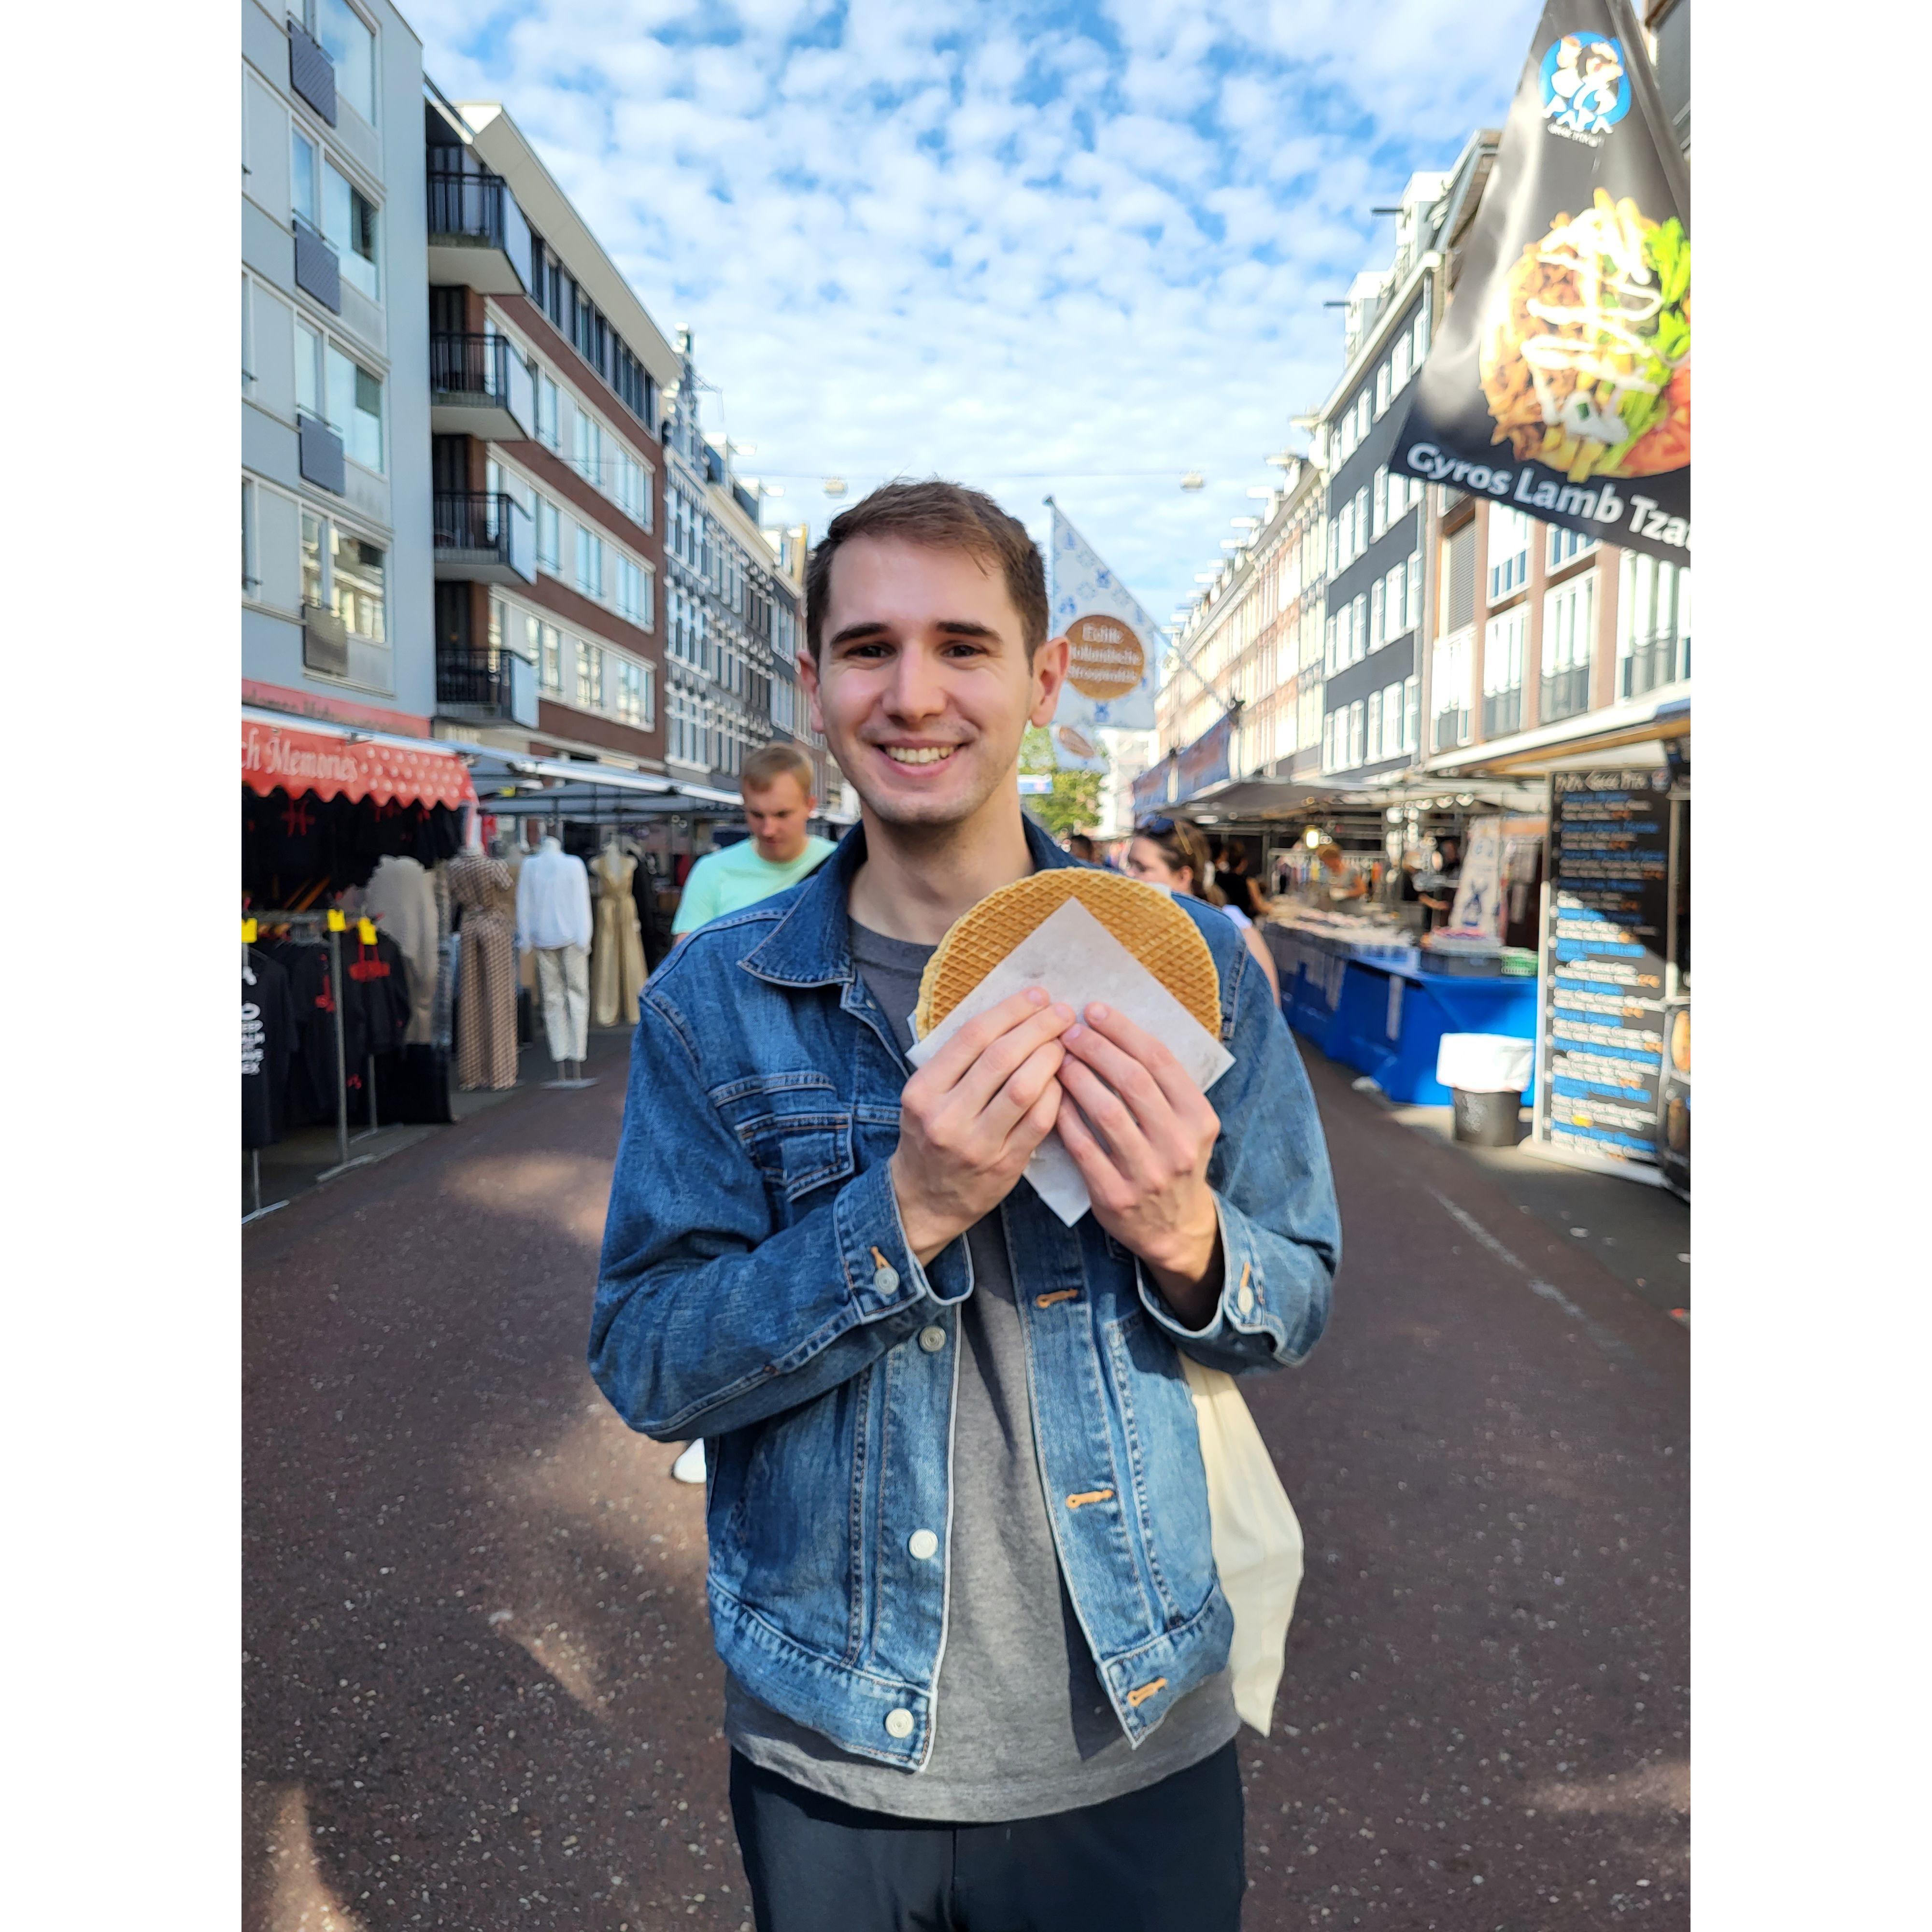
x: 617, y: 963
x: 402, y: 897
x: 486, y: 999
x: 553, y: 918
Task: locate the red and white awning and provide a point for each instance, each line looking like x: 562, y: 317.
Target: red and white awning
x: 286, y: 757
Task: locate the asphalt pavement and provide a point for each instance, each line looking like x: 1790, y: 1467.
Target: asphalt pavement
x: 479, y: 1691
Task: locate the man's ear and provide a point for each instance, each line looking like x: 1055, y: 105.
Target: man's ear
x: 807, y: 675
x: 1049, y: 674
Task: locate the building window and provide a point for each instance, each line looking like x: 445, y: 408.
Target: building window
x: 349, y: 44
x: 251, y: 574
x: 630, y: 590
x: 1414, y: 611
x: 1383, y: 390
x: 1364, y: 403
x: 1374, y: 749
x: 357, y: 569
x: 590, y: 677
x: 312, y: 534
x: 1328, y: 658
x: 1357, y: 720
x: 1362, y: 520
x: 590, y: 563
x: 1382, y: 506
x: 349, y: 226
x: 1569, y: 627
x: 1502, y: 673
x: 1564, y: 545
x: 1378, y: 615
x: 1358, y: 631
x: 1654, y: 641
x: 589, y: 449
x: 1328, y: 741
x: 1421, y: 334
x: 1411, y: 713
x: 634, y: 489
x: 550, y: 658
x: 1450, y: 685
x: 1398, y: 363
x: 305, y: 180
x: 547, y: 429
x: 630, y: 690
x: 549, y: 544
x: 1509, y: 551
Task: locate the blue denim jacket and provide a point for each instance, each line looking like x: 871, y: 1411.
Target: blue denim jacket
x: 756, y: 1288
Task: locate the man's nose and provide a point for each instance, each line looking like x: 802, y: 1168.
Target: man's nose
x: 916, y: 690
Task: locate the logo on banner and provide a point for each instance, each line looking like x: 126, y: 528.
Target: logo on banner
x: 1107, y: 660
x: 1586, y: 90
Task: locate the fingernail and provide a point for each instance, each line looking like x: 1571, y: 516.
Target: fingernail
x: 1072, y: 1033
x: 1036, y: 995
x: 1097, y: 1011
x: 1062, y: 1011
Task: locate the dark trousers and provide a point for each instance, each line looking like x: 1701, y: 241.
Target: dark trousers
x: 1168, y: 1859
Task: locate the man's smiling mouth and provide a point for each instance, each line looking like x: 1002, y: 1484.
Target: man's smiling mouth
x: 919, y: 754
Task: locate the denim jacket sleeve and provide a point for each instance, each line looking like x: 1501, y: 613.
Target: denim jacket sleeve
x: 1281, y: 1232
x: 709, y: 1315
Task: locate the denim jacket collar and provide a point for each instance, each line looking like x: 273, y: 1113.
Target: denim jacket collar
x: 811, y: 946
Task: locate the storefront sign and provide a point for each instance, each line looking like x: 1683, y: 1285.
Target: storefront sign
x: 1205, y: 762
x: 1602, y: 1009
x: 1559, y: 382
x: 276, y: 758
x: 1153, y: 788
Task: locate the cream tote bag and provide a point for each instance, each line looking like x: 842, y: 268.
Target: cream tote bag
x: 1257, y: 1540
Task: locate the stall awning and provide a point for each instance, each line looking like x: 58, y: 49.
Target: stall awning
x: 335, y: 763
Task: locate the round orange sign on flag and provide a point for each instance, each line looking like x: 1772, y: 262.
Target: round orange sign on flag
x: 1107, y: 661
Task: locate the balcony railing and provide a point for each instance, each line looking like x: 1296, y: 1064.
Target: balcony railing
x: 317, y: 269
x: 471, y: 205
x: 311, y: 73
x: 489, y: 529
x: 1653, y: 661
x: 498, y: 682
x: 1502, y: 712
x: 319, y: 453
x: 1565, y: 693
x: 484, y: 369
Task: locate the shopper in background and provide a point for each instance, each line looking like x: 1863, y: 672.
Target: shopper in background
x: 1438, y: 888
x: 1239, y: 886
x: 1336, y: 880
x: 1081, y: 847
x: 776, y: 784
x: 1171, y: 852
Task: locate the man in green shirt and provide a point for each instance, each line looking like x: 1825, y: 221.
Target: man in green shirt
x: 776, y: 786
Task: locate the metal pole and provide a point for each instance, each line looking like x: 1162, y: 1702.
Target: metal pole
x: 341, y: 1051
x: 373, y: 1122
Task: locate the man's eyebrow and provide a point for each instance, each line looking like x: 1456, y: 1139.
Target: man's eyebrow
x: 955, y: 627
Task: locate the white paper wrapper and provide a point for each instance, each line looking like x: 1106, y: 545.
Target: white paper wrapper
x: 1078, y: 960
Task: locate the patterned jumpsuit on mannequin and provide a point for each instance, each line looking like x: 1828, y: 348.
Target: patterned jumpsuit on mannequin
x: 486, y: 1014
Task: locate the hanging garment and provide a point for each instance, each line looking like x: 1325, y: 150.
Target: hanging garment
x: 401, y: 895
x: 617, y: 969
x: 267, y: 1046
x: 379, y: 982
x: 486, y: 999
x: 513, y: 856
x: 563, y: 972
x: 553, y: 899
x: 311, y: 1090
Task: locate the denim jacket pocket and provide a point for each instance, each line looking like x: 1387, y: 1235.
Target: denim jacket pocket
x: 797, y: 1153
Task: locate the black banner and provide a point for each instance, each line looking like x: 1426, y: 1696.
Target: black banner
x: 1603, y: 1018
x: 1560, y: 380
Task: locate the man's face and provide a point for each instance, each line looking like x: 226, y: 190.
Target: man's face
x: 776, y: 814
x: 922, y: 687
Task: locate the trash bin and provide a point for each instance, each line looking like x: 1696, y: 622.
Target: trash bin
x: 1485, y: 1074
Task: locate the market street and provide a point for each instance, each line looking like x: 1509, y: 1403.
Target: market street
x: 479, y: 1687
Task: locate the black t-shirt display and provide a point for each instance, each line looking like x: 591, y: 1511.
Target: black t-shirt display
x: 267, y: 1046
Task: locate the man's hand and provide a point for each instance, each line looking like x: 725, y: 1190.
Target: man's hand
x: 971, y: 1117
x: 1149, y: 1182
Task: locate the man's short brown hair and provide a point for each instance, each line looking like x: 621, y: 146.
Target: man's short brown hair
x: 947, y: 516
x: 770, y: 763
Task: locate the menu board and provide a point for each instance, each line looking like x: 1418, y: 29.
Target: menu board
x: 1603, y: 1016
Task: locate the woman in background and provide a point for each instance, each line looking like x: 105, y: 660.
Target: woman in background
x: 1171, y: 852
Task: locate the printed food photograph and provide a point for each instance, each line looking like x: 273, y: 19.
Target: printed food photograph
x: 1586, y: 365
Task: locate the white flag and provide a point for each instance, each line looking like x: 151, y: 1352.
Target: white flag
x: 1116, y: 647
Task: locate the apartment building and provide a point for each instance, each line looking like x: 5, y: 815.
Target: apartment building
x: 336, y: 587
x: 546, y: 377
x: 791, y: 709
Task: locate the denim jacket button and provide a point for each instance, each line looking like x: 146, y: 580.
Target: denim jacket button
x: 886, y: 1279
x: 1245, y: 1301
x: 898, y: 1724
x: 923, y: 1543
x: 932, y: 1339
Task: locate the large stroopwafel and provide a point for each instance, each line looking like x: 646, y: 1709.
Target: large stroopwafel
x: 1145, y: 920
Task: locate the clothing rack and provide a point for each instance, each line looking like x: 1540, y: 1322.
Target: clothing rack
x: 264, y: 920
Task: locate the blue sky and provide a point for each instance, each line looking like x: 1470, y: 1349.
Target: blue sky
x: 1035, y: 248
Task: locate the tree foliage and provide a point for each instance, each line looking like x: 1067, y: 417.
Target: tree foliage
x: 1074, y: 803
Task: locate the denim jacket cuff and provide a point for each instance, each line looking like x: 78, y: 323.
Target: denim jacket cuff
x: 881, y: 1272
x: 1242, y: 1320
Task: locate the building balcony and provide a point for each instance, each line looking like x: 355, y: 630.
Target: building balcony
x: 479, y: 386
x: 478, y: 236
x: 325, y: 641
x: 311, y: 73
x: 1502, y: 711
x: 1653, y: 661
x: 1566, y: 694
x: 482, y: 538
x: 485, y: 686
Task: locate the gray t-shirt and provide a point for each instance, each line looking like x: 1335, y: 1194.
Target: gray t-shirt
x: 1021, y: 1726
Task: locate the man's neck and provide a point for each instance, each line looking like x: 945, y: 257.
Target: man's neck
x: 917, y: 880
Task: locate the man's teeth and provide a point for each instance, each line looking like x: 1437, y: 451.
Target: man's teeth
x: 925, y: 754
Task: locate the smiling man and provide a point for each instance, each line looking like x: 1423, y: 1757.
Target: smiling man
x: 960, y: 1571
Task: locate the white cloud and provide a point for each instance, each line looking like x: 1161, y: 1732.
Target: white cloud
x: 941, y: 238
